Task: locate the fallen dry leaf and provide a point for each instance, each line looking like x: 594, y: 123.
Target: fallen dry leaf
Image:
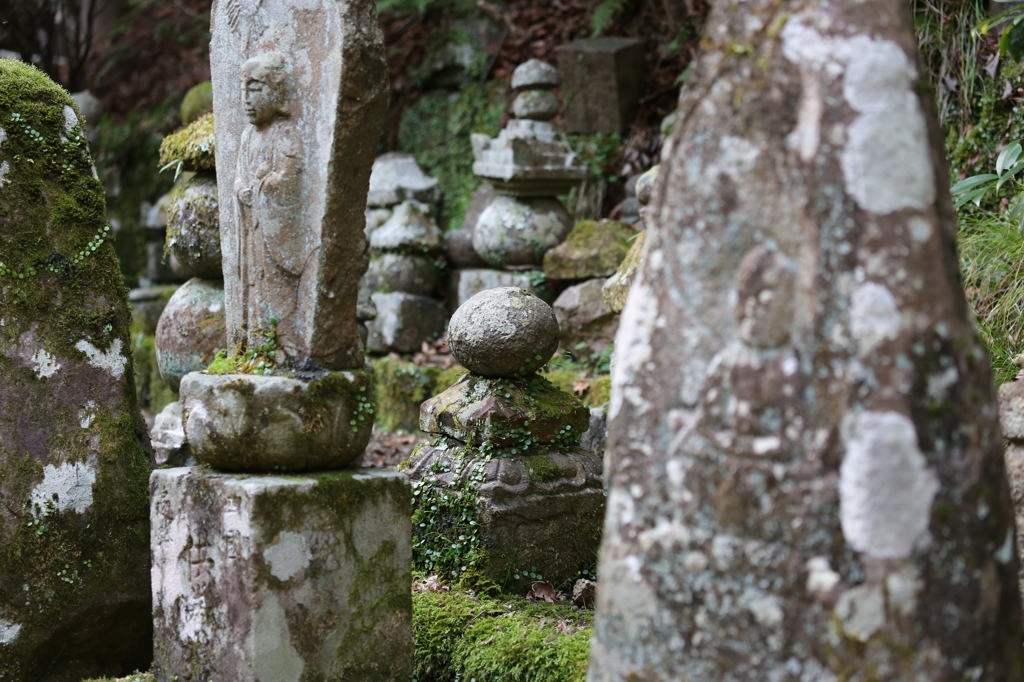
x: 542, y: 590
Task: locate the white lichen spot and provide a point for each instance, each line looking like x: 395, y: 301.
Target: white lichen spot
x: 885, y: 486
x: 275, y: 658
x: 874, y: 316
x: 70, y: 120
x: 861, y: 611
x: 5, y: 168
x: 737, y: 157
x: 821, y: 579
x: 1005, y: 553
x: 44, y: 364
x: 67, y: 487
x: 886, y: 161
x: 8, y: 632
x: 289, y: 556
x: 940, y: 383
x: 902, y: 588
x: 88, y: 414
x: 111, y: 361
x: 766, y: 608
x: 216, y: 306
x: 806, y: 137
x: 920, y: 229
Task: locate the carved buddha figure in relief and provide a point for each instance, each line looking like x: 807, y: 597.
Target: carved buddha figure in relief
x: 269, y: 190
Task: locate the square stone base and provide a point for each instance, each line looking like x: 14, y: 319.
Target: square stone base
x: 281, y: 579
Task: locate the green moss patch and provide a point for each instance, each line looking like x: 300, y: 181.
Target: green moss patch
x: 190, y: 147
x: 592, y: 249
x: 400, y: 387
x: 459, y: 636
x: 197, y: 101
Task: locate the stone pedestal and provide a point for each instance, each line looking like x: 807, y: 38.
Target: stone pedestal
x: 602, y: 82
x: 285, y: 579
x: 245, y: 422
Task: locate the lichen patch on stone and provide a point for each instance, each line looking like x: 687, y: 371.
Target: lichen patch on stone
x: 289, y: 556
x: 886, y: 488
x: 874, y: 316
x: 8, y: 632
x: 44, y: 364
x: 111, y: 360
x: 67, y: 487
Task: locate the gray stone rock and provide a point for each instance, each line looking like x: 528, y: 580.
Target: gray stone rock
x: 592, y: 249
x: 148, y: 305
x: 601, y: 83
x: 411, y: 227
x: 272, y: 578
x: 404, y: 322
x: 406, y: 273
x: 191, y: 329
x: 1011, y: 410
x: 297, y: 122
x: 90, y: 107
x: 584, y: 593
x: 481, y: 199
x: 585, y: 323
x: 503, y: 332
x: 469, y: 44
x: 514, y: 231
x: 645, y: 185
x: 465, y: 284
x: 168, y: 438
x: 244, y: 422
x: 596, y: 436
x: 375, y: 217
x: 543, y: 508
x: 459, y: 251
x: 397, y: 178
x: 534, y: 74
x: 193, y: 228
x: 528, y: 158
x: 616, y: 288
x: 505, y: 413
x: 74, y: 585
x: 538, y: 105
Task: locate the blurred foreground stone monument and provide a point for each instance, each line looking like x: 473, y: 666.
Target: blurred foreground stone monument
x: 266, y: 577
x: 805, y: 464
x: 74, y: 598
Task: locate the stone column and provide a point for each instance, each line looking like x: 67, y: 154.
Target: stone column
x: 806, y: 470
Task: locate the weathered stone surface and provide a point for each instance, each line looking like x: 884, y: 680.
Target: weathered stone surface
x: 528, y: 158
x: 244, y: 422
x: 465, y: 284
x: 147, y: 305
x: 503, y: 332
x: 585, y: 324
x: 505, y: 412
x: 1011, y: 410
x: 600, y: 84
x: 168, y: 438
x: 584, y: 592
x: 191, y: 329
x: 803, y: 428
x: 543, y: 509
x: 616, y: 288
x: 645, y: 190
x: 596, y: 436
x: 515, y: 231
x: 397, y: 178
x: 409, y: 228
x: 407, y: 273
x: 459, y: 251
x: 191, y: 147
x: 592, y: 249
x: 467, y: 44
x: 534, y: 74
x: 295, y: 161
x: 268, y: 578
x: 404, y: 322
x: 1014, y: 457
x: 193, y: 229
x: 375, y: 217
x: 539, y: 105
x: 74, y: 592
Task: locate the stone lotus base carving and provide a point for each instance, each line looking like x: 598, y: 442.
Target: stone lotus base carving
x: 543, y: 509
x: 248, y: 423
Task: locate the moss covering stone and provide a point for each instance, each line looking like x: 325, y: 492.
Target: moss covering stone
x: 197, y: 101
x: 73, y: 570
x: 192, y: 146
x: 617, y: 287
x: 593, y: 249
x: 399, y: 389
x: 459, y: 636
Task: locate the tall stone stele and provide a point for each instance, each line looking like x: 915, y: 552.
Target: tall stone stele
x: 74, y: 593
x: 805, y: 470
x: 266, y: 577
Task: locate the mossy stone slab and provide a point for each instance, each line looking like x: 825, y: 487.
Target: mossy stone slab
x: 505, y: 412
x: 616, y: 288
x: 592, y: 249
x: 74, y: 523
x: 282, y: 578
x: 192, y: 145
x: 256, y: 423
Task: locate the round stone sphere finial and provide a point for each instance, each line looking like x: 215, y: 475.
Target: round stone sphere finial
x: 534, y: 75
x: 503, y: 332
